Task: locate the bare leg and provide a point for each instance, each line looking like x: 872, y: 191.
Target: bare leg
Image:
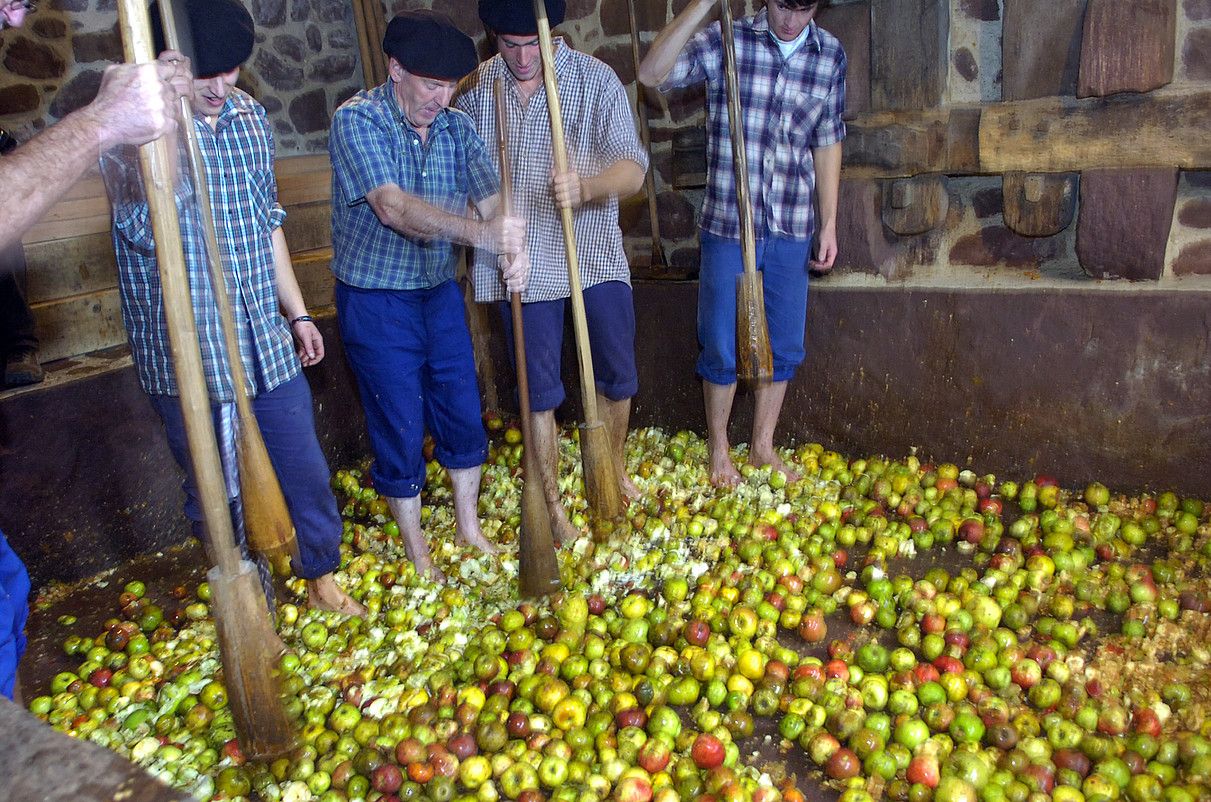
x: 617, y: 417
x: 718, y: 400
x: 765, y: 420
x: 546, y: 456
x: 407, y: 515
x: 324, y: 594
x: 466, y: 508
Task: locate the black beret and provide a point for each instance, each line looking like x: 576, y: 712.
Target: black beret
x: 222, y: 32
x: 428, y: 43
x: 516, y: 17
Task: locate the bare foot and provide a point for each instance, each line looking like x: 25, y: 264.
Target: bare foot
x: 723, y: 472
x: 630, y: 491
x: 772, y: 459
x: 429, y: 570
x: 325, y: 594
x: 474, y: 536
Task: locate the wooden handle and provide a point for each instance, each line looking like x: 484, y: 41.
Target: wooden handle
x: 559, y: 154
x: 156, y: 159
x: 748, y: 245
x: 645, y: 136
x: 506, y: 208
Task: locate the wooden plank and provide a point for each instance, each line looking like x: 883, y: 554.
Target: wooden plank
x: 915, y: 205
x: 64, y: 267
x: 894, y: 144
x: 1062, y: 135
x: 1124, y: 223
x: 313, y: 269
x: 1041, y: 48
x: 850, y: 23
x: 308, y: 226
x: 1039, y: 204
x: 1127, y: 47
x: 908, y: 53
x: 864, y: 245
x: 77, y: 325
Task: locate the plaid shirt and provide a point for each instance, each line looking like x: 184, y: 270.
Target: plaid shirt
x: 372, y: 145
x: 238, y: 153
x: 790, y: 106
x: 599, y: 130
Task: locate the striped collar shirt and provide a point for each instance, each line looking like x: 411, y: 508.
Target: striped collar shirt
x: 372, y: 145
x: 790, y: 105
x: 238, y: 154
x: 599, y: 129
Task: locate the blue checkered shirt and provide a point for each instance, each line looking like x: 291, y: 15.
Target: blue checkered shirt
x: 372, y: 145
x: 790, y: 106
x: 238, y: 153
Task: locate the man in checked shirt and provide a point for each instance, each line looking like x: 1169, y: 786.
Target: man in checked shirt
x: 405, y: 168
x: 607, y: 163
x: 237, y: 147
x: 792, y: 92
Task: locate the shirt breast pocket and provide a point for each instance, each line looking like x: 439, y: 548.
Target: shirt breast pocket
x: 804, y: 115
x: 260, y: 192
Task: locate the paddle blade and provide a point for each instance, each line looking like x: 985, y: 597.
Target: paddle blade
x: 264, y: 729
x: 600, y: 477
x: 754, y: 360
x: 538, y: 573
x: 266, y: 519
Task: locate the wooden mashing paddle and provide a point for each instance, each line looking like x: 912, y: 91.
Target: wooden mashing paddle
x: 659, y: 262
x: 754, y: 360
x: 266, y: 519
x: 600, y: 477
x: 538, y: 573
x: 246, y: 634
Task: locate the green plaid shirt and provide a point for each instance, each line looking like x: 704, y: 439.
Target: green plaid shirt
x: 372, y: 145
x: 238, y: 153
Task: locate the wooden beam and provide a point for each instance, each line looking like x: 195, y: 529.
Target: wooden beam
x: 1039, y: 204
x: 1041, y: 48
x: 915, y: 205
x: 79, y: 324
x: 1049, y: 135
x: 1124, y: 223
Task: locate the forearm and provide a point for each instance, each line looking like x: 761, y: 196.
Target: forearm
x: 42, y: 170
x: 621, y: 179
x: 828, y: 182
x: 413, y: 217
x: 662, y: 56
x: 290, y: 297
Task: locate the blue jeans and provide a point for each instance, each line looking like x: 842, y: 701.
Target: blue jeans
x: 783, y: 263
x: 14, y: 608
x: 287, y: 423
x: 609, y: 310
x: 411, y: 353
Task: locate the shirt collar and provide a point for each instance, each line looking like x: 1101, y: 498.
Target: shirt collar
x: 760, y: 22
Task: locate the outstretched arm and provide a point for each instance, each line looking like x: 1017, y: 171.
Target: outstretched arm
x: 658, y: 63
x: 134, y: 105
x: 413, y: 217
x: 828, y: 187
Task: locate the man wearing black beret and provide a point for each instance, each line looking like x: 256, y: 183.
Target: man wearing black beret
x: 606, y: 163
x: 405, y: 167
x: 274, y: 331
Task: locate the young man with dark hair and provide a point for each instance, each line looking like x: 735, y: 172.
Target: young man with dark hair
x: 791, y: 75
x: 405, y: 168
x: 236, y: 141
x: 606, y: 162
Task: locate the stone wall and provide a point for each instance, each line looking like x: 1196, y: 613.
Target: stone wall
x: 306, y: 62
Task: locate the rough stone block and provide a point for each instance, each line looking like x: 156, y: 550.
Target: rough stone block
x: 31, y: 59
x: 997, y: 245
x: 983, y: 10
x: 97, y: 46
x: 276, y: 72
x: 1127, y: 47
x: 1196, y: 55
x: 309, y: 112
x: 269, y: 13
x: 1194, y: 259
x: 1196, y: 213
x: 19, y: 99
x: 49, y: 27
x: 1197, y: 9
x: 1124, y: 222
x: 76, y: 93
x: 618, y: 56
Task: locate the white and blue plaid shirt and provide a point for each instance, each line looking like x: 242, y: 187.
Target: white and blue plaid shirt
x: 372, y: 145
x: 790, y: 106
x: 238, y: 153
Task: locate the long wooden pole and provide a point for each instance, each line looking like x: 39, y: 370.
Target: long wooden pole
x: 266, y: 518
x: 754, y: 360
x: 645, y: 136
x: 238, y: 602
x: 538, y: 573
x: 600, y: 476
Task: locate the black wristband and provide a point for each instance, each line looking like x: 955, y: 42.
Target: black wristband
x: 300, y: 319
